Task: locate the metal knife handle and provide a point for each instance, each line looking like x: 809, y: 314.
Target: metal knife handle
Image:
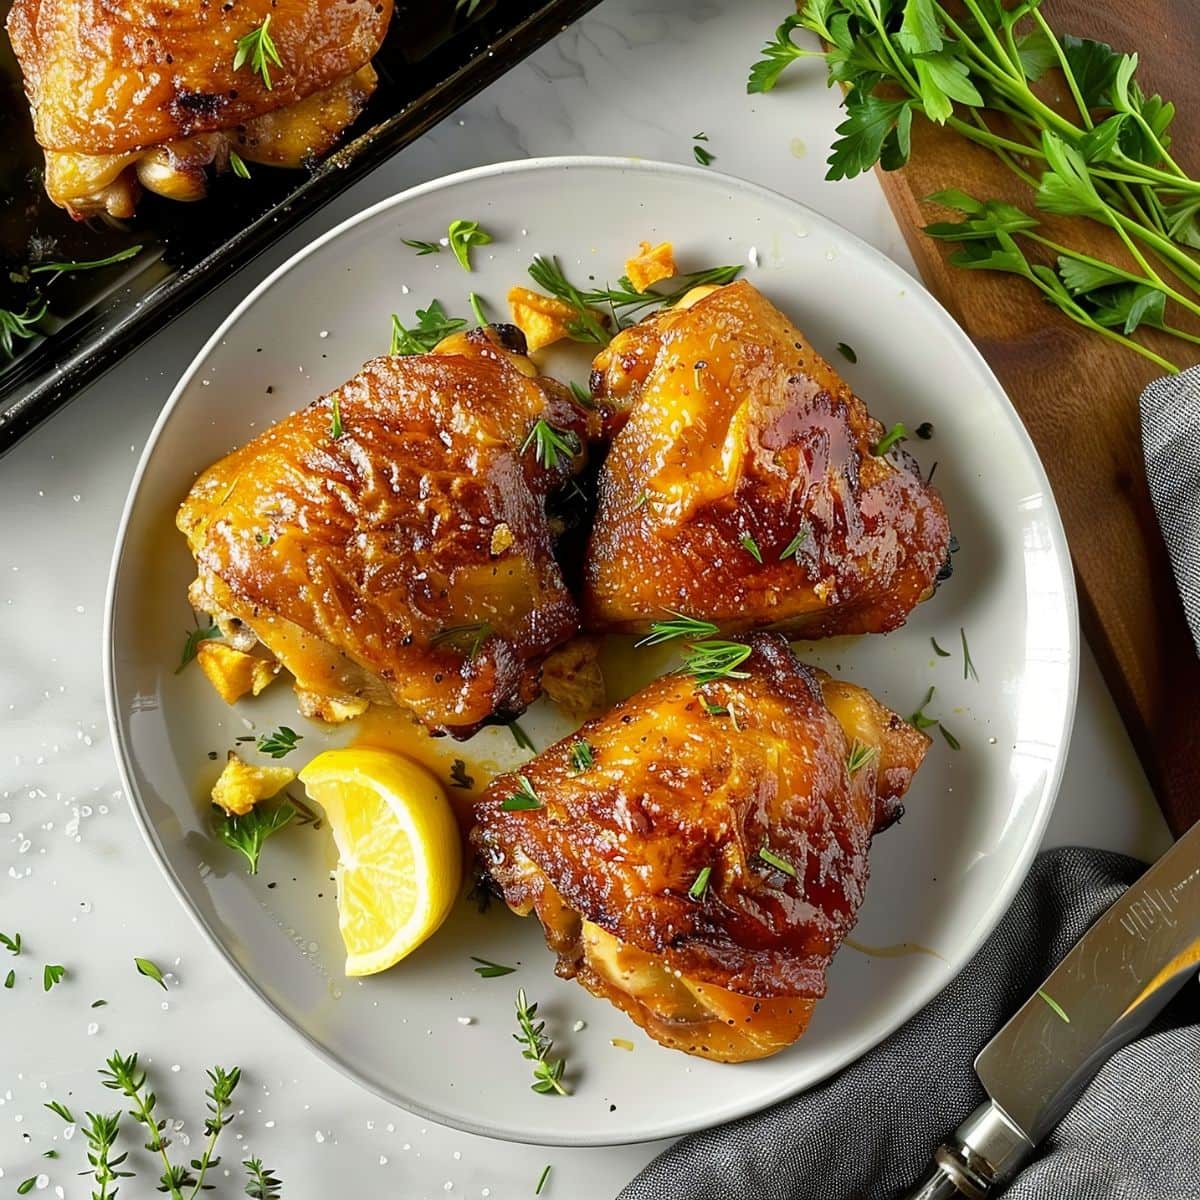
x: 986, y: 1149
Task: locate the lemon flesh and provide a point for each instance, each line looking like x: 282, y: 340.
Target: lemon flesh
x: 399, y: 852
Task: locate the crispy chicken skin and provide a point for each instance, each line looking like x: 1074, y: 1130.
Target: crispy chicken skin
x: 677, y: 786
x: 124, y: 91
x: 732, y: 437
x: 409, y: 561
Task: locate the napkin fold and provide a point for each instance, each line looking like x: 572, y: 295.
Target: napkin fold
x: 1170, y: 410
x: 869, y: 1133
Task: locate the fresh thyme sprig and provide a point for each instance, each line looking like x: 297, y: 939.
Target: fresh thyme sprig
x: 192, y: 642
x: 247, y: 833
x: 462, y: 235
x: 258, y: 49
x: 433, y: 324
x: 122, y: 1074
x: 550, y: 444
x: 624, y: 302
x: 279, y: 743
x: 100, y: 1130
x: 547, y: 1071
x: 21, y: 325
x: 969, y: 68
x: 55, y: 269
x: 220, y: 1099
x: 524, y: 799
x: 262, y: 1183
x: 678, y: 626
x: 61, y: 1110
x: 706, y: 661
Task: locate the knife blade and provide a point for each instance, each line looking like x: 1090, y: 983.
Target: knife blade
x: 1107, y: 989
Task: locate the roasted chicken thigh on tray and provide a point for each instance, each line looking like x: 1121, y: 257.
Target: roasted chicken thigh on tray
x: 743, y: 483
x: 128, y: 94
x: 697, y: 855
x: 389, y: 544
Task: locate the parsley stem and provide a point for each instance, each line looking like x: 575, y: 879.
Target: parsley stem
x: 1064, y: 66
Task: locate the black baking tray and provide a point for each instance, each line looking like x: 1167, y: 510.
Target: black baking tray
x: 433, y: 59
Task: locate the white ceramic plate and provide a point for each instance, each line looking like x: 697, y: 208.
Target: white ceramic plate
x: 940, y: 879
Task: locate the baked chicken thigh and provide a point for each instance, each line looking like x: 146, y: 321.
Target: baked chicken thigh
x: 128, y: 93
x: 389, y: 544
x: 743, y: 486
x: 697, y: 855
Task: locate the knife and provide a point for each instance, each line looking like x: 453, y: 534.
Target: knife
x: 1111, y: 984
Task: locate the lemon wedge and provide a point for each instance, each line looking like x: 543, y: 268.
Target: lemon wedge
x: 399, y: 852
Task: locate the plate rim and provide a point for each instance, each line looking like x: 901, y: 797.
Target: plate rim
x: 995, y: 908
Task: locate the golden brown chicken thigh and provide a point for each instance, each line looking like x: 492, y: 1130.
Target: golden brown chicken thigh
x: 742, y: 484
x: 700, y: 860
x: 127, y: 92
x: 390, y: 542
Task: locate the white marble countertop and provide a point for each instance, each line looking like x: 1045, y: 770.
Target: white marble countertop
x: 636, y: 77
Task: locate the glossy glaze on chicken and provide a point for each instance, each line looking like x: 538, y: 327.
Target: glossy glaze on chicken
x: 407, y: 560
x: 689, y: 778
x: 128, y: 94
x: 742, y: 487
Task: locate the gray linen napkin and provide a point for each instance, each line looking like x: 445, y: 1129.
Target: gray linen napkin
x: 1170, y: 428
x: 868, y: 1133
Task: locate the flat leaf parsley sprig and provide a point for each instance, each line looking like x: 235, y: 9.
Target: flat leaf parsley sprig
x: 971, y: 68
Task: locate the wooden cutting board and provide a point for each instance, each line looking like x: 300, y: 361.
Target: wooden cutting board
x: 1078, y: 396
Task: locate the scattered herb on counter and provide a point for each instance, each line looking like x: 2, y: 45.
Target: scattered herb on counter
x: 99, y: 1004
x: 898, y: 433
x: 919, y: 718
x: 10, y: 979
x: 700, y: 884
x: 780, y: 864
x: 433, y: 324
x: 859, y: 756
x: 702, y: 156
x: 11, y: 944
x: 550, y: 444
x: 1055, y: 1007
x: 335, y: 417
x: 847, y: 352
x: 747, y: 542
x: 491, y: 970
x: 61, y: 1110
x: 520, y: 736
x: 49, y: 1153
x: 247, y: 833
x: 476, y: 303
x: 258, y: 49
x: 262, y: 1183
x: 678, y: 626
x: 541, y: 1183
x: 52, y: 973
x: 700, y: 137
x: 624, y: 302
x: 1104, y: 156
x: 21, y: 325
x: 938, y: 650
x: 237, y: 164
x: 61, y: 268
x: 279, y: 743
x: 422, y: 247
x: 583, y: 755
x: 950, y: 739
x: 462, y: 236
x: 192, y: 643
x: 789, y: 551
x: 151, y: 970
x: 706, y: 661
x: 968, y: 666
x: 524, y: 799
x: 26, y: 1186
x: 547, y: 1071
x: 459, y: 777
